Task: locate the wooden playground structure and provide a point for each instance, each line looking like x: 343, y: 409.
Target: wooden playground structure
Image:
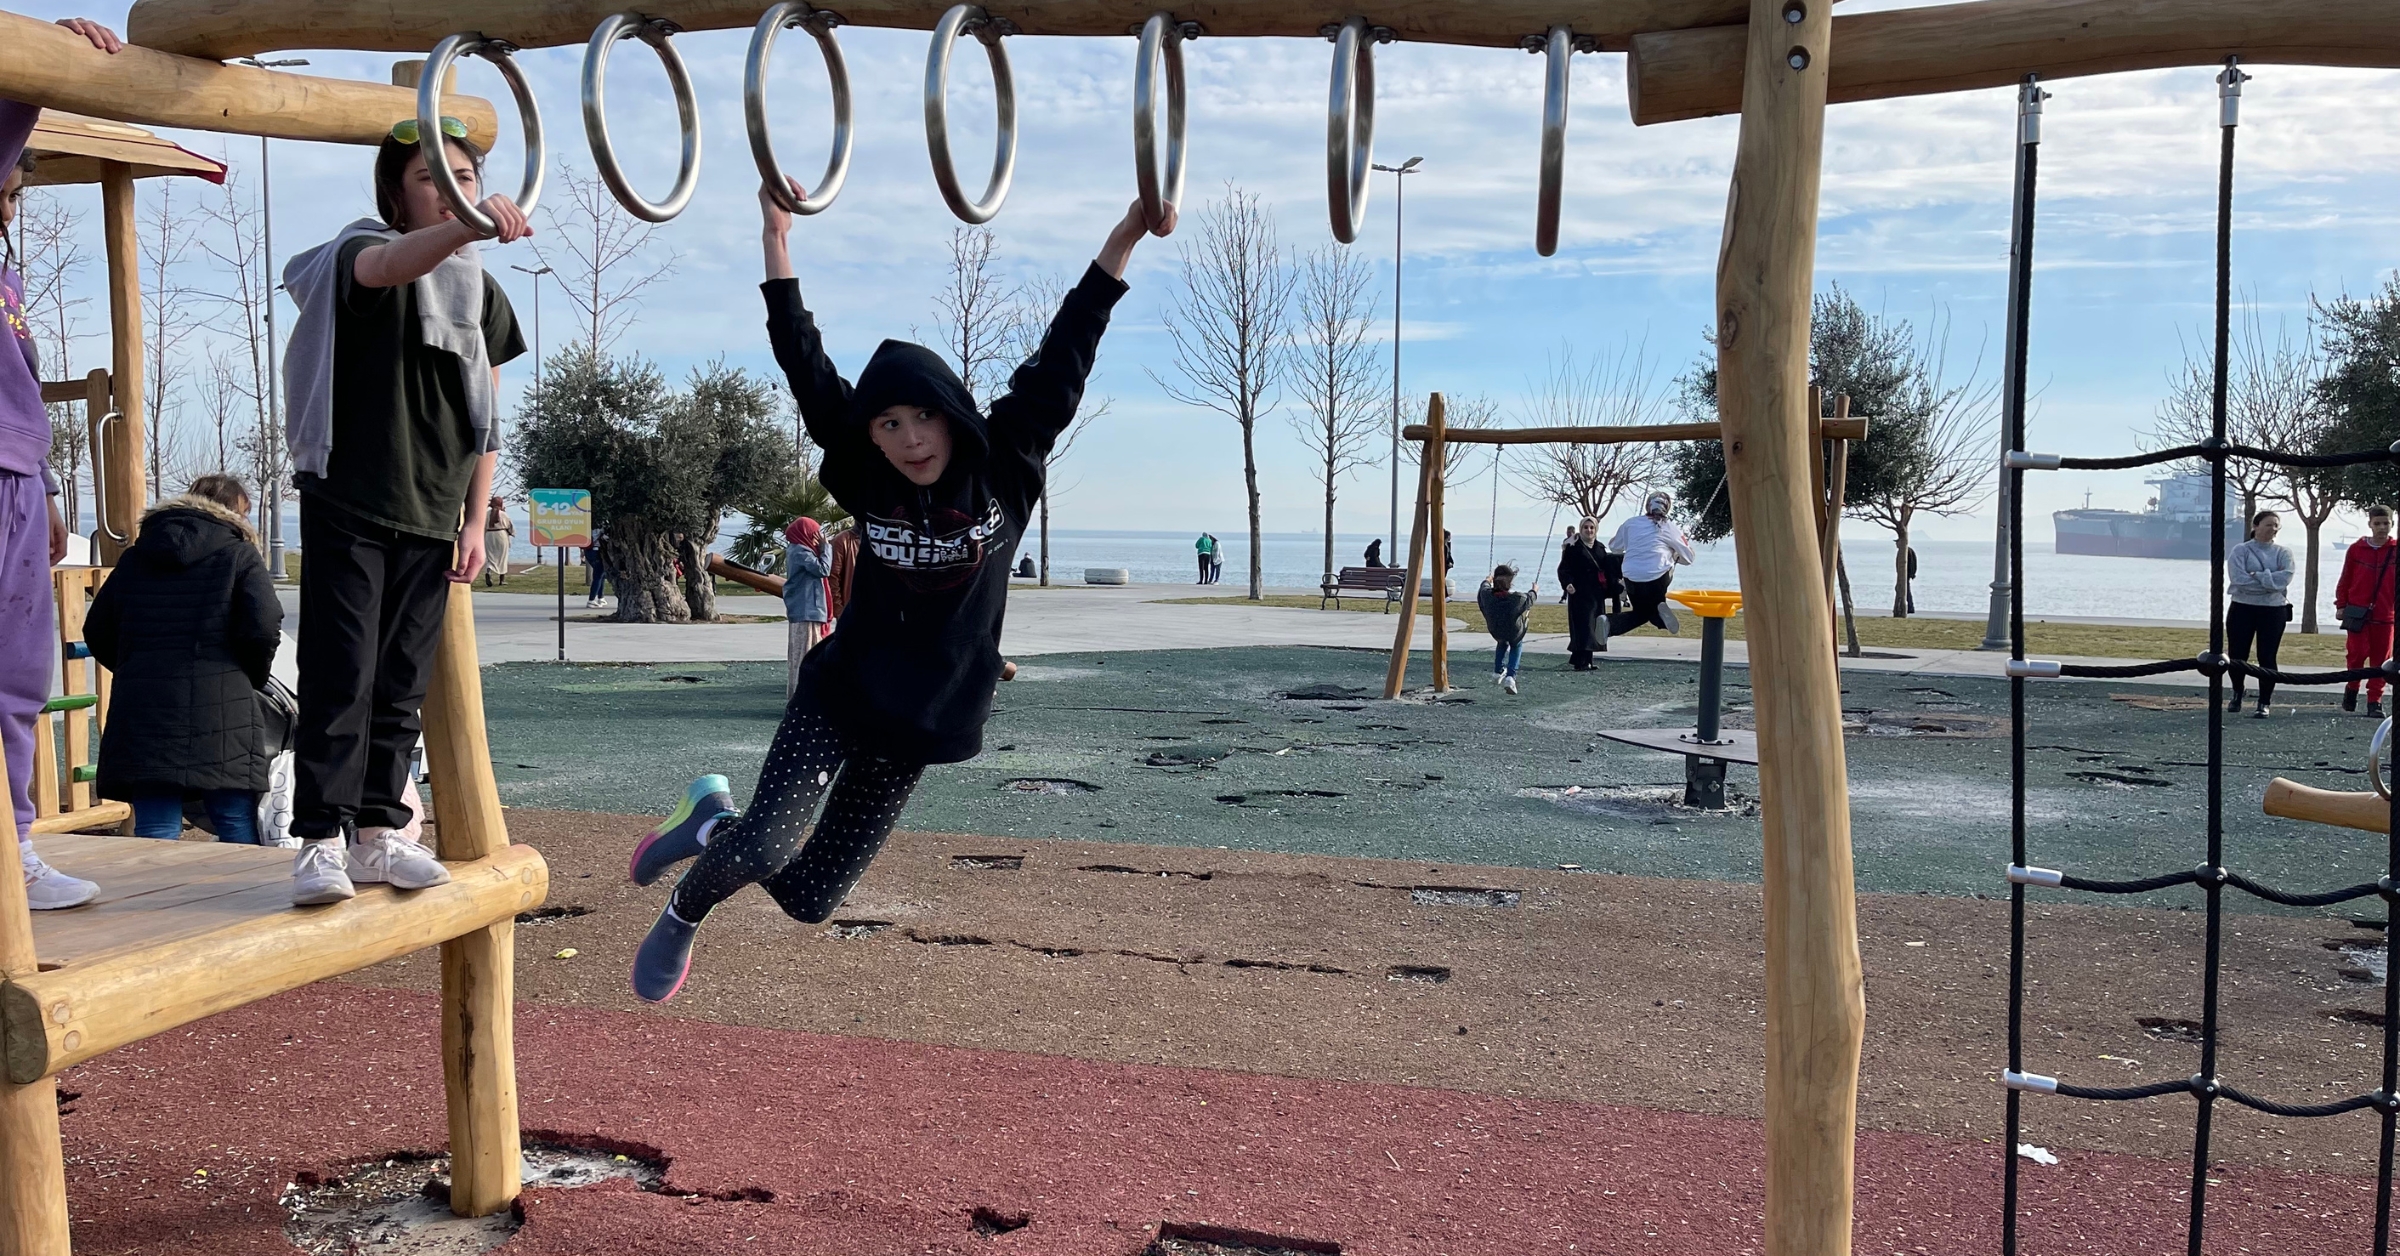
x: 211, y: 931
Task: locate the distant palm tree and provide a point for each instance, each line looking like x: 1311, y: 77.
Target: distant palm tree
x: 760, y: 545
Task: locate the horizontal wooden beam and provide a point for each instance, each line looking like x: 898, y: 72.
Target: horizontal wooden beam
x: 100, y: 815
x: 50, y: 66
x: 2294, y: 801
x: 53, y: 1020
x: 1639, y: 434
x: 232, y: 28
x: 1697, y: 73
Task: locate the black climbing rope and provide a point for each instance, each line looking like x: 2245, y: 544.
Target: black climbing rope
x: 2211, y: 877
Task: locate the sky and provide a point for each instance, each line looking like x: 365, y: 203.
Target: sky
x: 1913, y: 221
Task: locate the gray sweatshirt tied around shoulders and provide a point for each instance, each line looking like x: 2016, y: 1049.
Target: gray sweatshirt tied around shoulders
x: 2258, y: 573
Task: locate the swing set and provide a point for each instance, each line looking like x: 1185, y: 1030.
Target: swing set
x: 210, y: 931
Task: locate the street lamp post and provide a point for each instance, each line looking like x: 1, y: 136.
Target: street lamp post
x: 1399, y: 175
x: 266, y: 212
x: 537, y: 272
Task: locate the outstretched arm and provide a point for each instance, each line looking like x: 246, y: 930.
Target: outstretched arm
x: 823, y: 395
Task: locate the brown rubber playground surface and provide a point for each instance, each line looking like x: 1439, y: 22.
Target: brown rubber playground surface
x: 1033, y: 1046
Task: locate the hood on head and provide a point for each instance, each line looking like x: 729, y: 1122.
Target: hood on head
x: 905, y: 374
x: 1657, y: 504
x: 184, y: 530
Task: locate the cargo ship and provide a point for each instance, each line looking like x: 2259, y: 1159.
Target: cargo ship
x: 2174, y: 526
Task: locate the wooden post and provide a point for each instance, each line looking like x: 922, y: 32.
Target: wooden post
x: 120, y: 464
x: 1437, y: 538
x: 72, y: 588
x: 479, y: 1055
x: 1816, y: 1007
x: 1396, y: 677
x: 33, y: 1162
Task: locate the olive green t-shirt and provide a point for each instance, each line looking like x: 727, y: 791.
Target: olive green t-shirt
x: 403, y: 447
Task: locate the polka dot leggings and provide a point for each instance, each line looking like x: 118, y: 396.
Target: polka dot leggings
x: 810, y: 759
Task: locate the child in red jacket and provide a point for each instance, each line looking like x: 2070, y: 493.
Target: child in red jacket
x: 2363, y: 600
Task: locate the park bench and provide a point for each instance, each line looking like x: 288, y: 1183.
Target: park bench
x: 1363, y: 581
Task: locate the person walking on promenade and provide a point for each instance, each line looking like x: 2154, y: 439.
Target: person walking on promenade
x: 188, y: 624
x: 2258, y: 578
x: 498, y: 532
x: 1200, y: 553
x: 942, y: 491
x: 1583, y: 573
x: 1505, y: 616
x: 33, y: 536
x: 1652, y: 546
x: 805, y: 565
x: 2362, y: 598
x: 393, y: 373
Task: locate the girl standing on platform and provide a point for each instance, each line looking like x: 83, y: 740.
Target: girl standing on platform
x: 941, y: 491
x: 33, y: 537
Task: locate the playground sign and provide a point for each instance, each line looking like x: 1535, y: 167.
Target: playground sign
x: 561, y: 516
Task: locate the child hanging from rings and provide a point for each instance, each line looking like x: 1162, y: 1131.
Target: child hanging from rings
x: 941, y: 489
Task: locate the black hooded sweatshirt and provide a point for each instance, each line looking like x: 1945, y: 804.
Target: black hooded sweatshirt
x: 910, y: 668
x: 187, y: 621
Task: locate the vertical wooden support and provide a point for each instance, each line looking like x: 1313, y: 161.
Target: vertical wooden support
x: 73, y: 589
x: 33, y: 1162
x: 1816, y: 1006
x: 1437, y: 538
x: 479, y: 1054
x: 1837, y: 483
x: 120, y: 460
x: 1395, y: 677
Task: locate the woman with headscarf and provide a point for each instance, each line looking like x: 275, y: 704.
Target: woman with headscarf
x: 805, y: 565
x: 1653, y: 546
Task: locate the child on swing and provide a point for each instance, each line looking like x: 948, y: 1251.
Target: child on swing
x: 941, y: 490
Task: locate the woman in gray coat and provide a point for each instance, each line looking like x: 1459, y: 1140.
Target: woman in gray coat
x: 2258, y: 579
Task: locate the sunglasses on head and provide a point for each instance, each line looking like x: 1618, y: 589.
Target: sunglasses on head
x: 405, y: 130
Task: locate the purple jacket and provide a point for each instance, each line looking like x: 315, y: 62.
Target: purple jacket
x: 24, y: 424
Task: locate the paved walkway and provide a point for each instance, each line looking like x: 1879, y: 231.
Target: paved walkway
x: 1075, y: 619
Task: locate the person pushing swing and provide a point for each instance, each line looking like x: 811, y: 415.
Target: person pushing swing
x: 941, y: 490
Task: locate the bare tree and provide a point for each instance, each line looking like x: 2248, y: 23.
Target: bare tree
x: 2274, y: 386
x: 979, y: 315
x: 229, y: 405
x: 1615, y: 389
x: 601, y: 255
x: 246, y: 285
x: 2186, y: 415
x: 1937, y: 456
x: 1036, y: 302
x: 1228, y: 327
x: 51, y: 256
x: 1334, y: 369
x: 167, y: 233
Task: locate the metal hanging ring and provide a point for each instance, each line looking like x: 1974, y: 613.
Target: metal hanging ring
x: 1162, y: 40
x: 962, y: 18
x: 1559, y: 51
x: 657, y: 33
x: 818, y: 23
x: 2379, y: 759
x: 429, y: 124
x: 1350, y: 127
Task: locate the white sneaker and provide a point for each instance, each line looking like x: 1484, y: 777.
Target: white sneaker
x: 320, y: 875
x: 383, y: 857
x: 48, y: 889
x: 1509, y: 683
x: 1667, y: 620
x: 1499, y: 678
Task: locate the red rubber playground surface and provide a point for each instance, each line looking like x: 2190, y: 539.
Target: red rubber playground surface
x: 782, y: 1142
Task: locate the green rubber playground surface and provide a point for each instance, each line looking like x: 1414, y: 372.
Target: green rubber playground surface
x: 1287, y: 750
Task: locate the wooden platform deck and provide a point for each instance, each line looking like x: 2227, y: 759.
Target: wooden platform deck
x: 186, y: 929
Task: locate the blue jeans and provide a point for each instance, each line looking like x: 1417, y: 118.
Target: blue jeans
x: 233, y: 811
x: 1505, y: 656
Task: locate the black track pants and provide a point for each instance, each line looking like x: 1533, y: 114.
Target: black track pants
x: 371, y: 608
x: 1647, y: 596
x: 2243, y: 623
x: 810, y: 760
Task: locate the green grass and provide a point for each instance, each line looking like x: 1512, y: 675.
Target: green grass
x: 2042, y: 639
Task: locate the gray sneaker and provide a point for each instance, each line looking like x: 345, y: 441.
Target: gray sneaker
x: 48, y: 889
x: 383, y: 857
x: 320, y: 874
x: 1667, y: 620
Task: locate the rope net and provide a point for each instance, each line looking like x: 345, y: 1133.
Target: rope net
x: 2210, y: 878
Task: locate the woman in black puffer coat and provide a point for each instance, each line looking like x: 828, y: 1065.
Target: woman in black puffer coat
x: 188, y: 622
